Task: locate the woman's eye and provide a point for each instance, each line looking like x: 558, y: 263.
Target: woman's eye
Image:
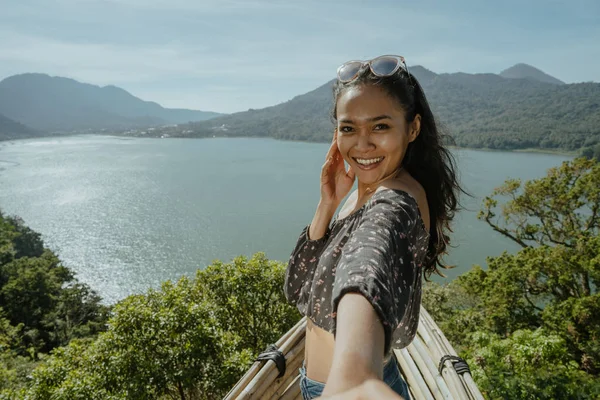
x: 381, y: 127
x: 346, y: 129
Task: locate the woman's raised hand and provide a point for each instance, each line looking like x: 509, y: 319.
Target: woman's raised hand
x: 336, y: 182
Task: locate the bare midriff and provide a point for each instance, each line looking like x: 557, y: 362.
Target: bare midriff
x: 318, y: 353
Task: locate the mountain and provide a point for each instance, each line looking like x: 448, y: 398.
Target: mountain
x: 50, y: 103
x: 524, y: 71
x: 303, y: 118
x: 424, y: 75
x: 10, y: 129
x: 478, y: 110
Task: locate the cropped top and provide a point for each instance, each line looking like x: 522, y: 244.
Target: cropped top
x: 376, y: 251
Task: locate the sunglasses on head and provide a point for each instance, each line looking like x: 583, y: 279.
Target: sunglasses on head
x: 380, y: 66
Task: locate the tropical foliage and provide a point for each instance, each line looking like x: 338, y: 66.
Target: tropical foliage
x: 42, y: 305
x: 191, y: 339
x: 592, y: 152
x: 529, y: 324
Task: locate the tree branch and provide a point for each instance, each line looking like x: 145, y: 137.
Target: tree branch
x: 592, y: 219
x: 545, y: 224
x: 585, y: 282
x: 181, y: 392
x: 531, y: 303
x: 505, y: 232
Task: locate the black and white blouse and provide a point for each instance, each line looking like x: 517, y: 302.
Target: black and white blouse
x: 377, y: 251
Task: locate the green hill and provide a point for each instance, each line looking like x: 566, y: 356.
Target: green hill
x: 478, y: 110
x: 524, y: 71
x: 520, y: 108
x: 10, y: 129
x: 60, y: 104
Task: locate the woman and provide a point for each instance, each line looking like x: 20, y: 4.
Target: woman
x: 358, y: 279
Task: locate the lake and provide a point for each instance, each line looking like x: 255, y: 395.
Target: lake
x: 127, y: 214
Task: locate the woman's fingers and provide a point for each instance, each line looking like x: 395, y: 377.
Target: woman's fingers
x: 332, y: 149
x: 325, y: 169
x: 351, y: 174
x: 333, y: 173
x: 339, y: 161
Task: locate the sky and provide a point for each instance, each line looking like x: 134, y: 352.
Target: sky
x: 232, y: 55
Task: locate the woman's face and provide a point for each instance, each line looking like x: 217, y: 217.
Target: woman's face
x: 372, y: 133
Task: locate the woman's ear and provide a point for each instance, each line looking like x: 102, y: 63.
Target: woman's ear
x: 414, y: 128
x: 335, y: 134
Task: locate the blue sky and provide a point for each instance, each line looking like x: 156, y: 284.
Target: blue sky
x: 231, y: 55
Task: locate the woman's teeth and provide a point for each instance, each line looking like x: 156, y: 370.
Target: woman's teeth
x: 370, y: 161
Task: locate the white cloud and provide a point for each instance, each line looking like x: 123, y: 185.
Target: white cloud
x: 99, y: 63
x: 237, y: 54
x: 111, y: 63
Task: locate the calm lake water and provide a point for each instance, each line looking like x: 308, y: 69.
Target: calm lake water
x: 127, y: 214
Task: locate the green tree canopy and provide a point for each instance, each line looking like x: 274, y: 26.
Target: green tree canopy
x: 41, y: 294
x: 189, y: 340
x: 529, y: 324
x: 559, y: 209
x: 42, y: 305
x: 592, y: 152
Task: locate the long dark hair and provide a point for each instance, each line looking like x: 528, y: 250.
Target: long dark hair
x: 426, y: 159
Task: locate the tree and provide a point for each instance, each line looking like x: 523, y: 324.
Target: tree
x: 591, y: 152
x: 14, y: 368
x: 245, y: 291
x: 41, y: 295
x: 528, y: 364
x: 559, y: 209
x: 27, y: 242
x: 189, y: 340
x: 529, y: 324
x: 556, y: 219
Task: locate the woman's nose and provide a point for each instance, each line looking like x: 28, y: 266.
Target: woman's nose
x: 364, y: 143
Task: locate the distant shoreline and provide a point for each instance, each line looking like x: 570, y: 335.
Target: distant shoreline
x: 560, y: 152
x: 557, y: 152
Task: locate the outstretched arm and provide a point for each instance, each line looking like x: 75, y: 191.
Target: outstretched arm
x: 359, y: 345
x: 368, y: 390
x: 371, y: 389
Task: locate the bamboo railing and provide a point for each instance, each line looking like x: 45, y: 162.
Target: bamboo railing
x: 418, y: 363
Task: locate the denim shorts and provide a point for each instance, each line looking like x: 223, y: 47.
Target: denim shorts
x: 391, y: 376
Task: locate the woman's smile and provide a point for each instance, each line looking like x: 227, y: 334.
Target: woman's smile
x: 368, y: 164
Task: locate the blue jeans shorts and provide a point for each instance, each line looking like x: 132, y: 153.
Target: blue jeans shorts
x: 391, y: 376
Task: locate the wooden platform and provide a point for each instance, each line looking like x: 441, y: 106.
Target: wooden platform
x: 419, y: 366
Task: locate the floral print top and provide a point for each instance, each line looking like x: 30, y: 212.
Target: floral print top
x: 377, y: 251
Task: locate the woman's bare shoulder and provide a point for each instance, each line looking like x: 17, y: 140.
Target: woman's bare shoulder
x: 410, y: 185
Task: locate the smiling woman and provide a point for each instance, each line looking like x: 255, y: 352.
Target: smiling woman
x: 358, y: 278
x: 373, y: 143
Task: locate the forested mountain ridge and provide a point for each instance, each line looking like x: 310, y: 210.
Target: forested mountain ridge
x: 478, y: 110
x: 524, y: 71
x: 520, y: 108
x: 10, y: 129
x: 56, y: 104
